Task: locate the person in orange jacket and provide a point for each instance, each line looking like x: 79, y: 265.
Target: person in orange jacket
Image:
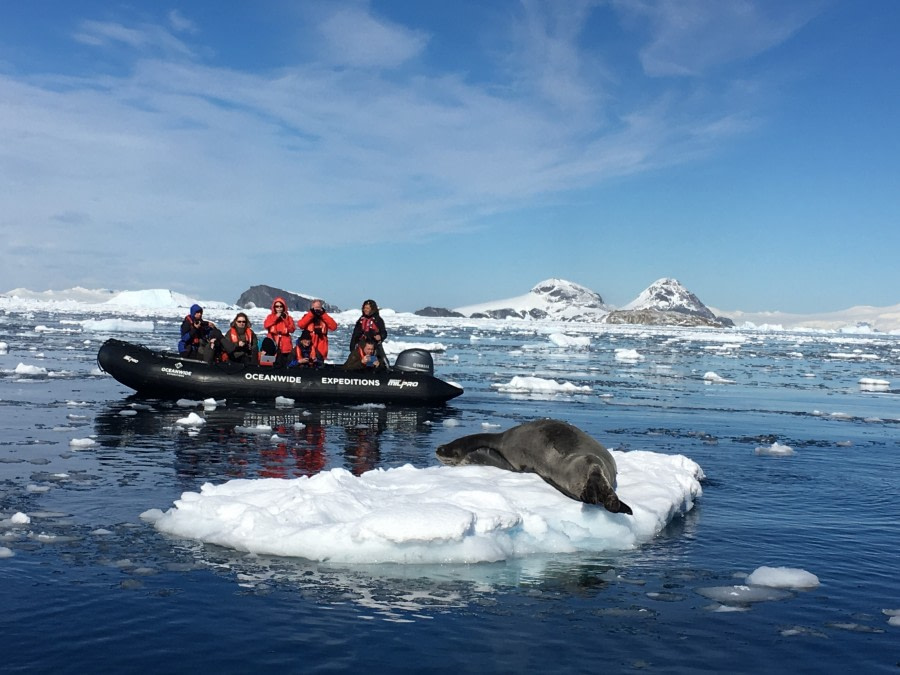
x: 318, y: 322
x: 279, y: 326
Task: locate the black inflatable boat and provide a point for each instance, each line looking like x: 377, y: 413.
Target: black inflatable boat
x: 411, y: 380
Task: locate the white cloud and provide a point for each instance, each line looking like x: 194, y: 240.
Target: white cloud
x: 691, y: 37
x: 356, y: 38
x: 136, y: 167
x: 143, y: 38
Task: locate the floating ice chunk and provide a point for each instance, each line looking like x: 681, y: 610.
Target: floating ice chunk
x: 210, y: 404
x: 186, y: 403
x: 4, y: 348
x: 711, y: 377
x: 775, y: 450
x: 489, y: 425
x: 570, y: 342
x: 893, y: 616
x: 25, y: 369
x: 128, y: 412
x: 284, y: 402
x: 528, y: 385
x: 82, y: 443
x: 872, y: 384
x: 742, y: 595
x: 192, y: 420
x: 855, y: 355
x: 117, y: 325
x: 623, y: 354
x: 451, y: 423
x: 782, y: 577
x: 20, y: 518
x: 299, y: 426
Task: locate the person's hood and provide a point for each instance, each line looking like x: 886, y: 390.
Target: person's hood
x: 282, y: 301
x: 197, y: 308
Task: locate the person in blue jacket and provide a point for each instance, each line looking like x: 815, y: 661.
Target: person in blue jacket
x: 199, y: 337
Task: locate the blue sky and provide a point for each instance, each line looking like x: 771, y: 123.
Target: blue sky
x: 435, y: 153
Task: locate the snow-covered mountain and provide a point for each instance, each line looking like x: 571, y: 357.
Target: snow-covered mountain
x: 553, y: 299
x: 668, y: 295
x: 667, y: 302
x: 550, y: 299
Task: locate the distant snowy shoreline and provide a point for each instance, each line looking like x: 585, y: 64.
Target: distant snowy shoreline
x: 165, y: 303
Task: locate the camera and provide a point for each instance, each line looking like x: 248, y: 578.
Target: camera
x: 318, y: 311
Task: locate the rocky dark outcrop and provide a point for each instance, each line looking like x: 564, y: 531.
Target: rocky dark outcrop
x: 264, y: 296
x: 438, y: 312
x: 657, y: 317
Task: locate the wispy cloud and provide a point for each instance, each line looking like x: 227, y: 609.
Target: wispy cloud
x: 178, y: 151
x: 145, y: 38
x: 354, y: 37
x: 692, y: 37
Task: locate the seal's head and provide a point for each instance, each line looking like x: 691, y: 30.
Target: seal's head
x: 451, y: 454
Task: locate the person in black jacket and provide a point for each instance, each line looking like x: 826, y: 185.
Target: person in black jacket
x: 239, y: 343
x: 371, y: 327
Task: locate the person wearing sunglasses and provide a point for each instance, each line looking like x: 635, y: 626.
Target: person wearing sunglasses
x: 279, y: 325
x: 239, y: 342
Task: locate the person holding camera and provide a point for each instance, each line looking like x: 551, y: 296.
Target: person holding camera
x: 364, y: 357
x: 198, y: 337
x: 318, y: 322
x: 304, y: 354
x: 279, y: 325
x: 239, y: 342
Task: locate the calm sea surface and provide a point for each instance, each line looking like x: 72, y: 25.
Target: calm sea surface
x: 92, y: 587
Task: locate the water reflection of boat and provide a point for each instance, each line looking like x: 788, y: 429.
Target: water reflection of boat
x: 270, y: 442
x: 411, y: 381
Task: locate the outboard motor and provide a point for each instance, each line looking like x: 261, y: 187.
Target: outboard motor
x: 415, y: 361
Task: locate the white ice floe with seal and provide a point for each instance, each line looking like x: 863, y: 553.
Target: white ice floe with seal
x: 431, y: 515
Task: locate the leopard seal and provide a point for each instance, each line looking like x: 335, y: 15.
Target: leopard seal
x: 561, y: 454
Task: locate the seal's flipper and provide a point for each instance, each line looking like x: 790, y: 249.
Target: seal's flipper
x: 488, y: 457
x: 597, y: 490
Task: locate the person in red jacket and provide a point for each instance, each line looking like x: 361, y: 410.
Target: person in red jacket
x: 318, y: 322
x: 279, y: 325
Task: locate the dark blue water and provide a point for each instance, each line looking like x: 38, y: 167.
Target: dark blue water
x: 91, y: 586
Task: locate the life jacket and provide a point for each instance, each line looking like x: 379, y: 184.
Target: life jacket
x: 368, y: 326
x: 280, y: 332
x: 319, y: 332
x: 233, y: 336
x: 301, y: 352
